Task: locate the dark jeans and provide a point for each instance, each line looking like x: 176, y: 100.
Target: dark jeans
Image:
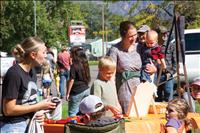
x: 63, y: 76
x: 165, y: 91
x: 145, y: 76
x: 75, y: 101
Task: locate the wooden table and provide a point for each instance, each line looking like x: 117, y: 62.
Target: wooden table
x: 148, y: 124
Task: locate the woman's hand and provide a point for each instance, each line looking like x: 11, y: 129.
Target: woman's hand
x: 46, y: 104
x: 40, y: 117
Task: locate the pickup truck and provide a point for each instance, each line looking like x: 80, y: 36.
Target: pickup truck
x: 192, y: 54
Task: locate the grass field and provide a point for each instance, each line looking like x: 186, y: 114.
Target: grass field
x: 93, y: 62
x: 197, y: 105
x: 65, y: 110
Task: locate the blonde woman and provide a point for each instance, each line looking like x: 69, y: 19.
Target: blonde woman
x: 19, y: 87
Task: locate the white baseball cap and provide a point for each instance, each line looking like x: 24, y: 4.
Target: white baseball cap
x: 91, y: 104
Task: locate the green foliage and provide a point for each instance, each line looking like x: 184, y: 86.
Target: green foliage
x: 53, y: 19
x: 114, y: 25
x: 16, y: 19
x: 93, y: 18
x: 93, y: 63
x: 197, y: 107
x: 132, y: 9
x: 151, y: 15
x: 191, y: 11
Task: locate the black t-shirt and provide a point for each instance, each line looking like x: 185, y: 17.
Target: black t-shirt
x: 79, y: 84
x: 20, y: 85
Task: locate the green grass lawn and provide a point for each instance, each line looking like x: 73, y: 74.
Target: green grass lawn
x: 64, y: 110
x: 93, y: 62
x: 197, y: 105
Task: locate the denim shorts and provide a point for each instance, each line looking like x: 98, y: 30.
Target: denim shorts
x: 9, y: 127
x: 46, y: 84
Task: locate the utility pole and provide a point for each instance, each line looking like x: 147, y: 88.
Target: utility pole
x: 106, y: 38
x: 35, y: 29
x: 103, y: 29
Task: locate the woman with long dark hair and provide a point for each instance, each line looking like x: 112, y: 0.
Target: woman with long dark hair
x: 78, y: 83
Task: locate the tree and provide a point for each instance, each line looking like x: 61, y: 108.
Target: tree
x: 16, y: 22
x: 53, y: 18
x: 93, y: 18
x: 162, y: 13
x: 191, y: 11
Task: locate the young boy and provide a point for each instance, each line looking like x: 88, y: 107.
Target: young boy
x: 151, y: 54
x: 103, y: 86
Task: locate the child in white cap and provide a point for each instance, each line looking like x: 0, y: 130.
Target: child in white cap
x: 93, y: 108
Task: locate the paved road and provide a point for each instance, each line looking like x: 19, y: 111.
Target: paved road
x: 93, y: 73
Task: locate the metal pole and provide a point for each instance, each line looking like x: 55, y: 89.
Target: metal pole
x: 103, y: 29
x: 35, y: 29
x: 106, y: 38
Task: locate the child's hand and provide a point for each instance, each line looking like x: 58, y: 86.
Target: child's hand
x: 116, y: 112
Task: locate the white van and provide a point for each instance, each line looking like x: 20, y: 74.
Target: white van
x: 192, y: 54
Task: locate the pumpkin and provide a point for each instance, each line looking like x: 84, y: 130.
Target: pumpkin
x: 151, y: 125
x: 148, y: 124
x: 160, y: 108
